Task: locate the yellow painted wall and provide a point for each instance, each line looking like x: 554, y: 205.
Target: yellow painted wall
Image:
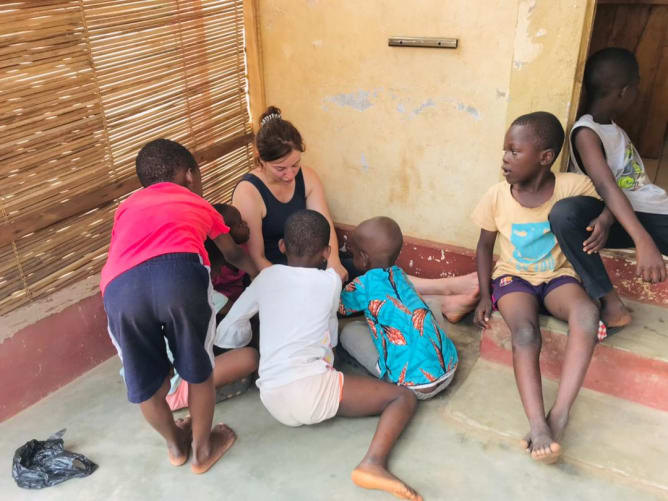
x: 415, y: 134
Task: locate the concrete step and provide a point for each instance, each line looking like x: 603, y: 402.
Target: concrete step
x: 631, y: 364
x: 606, y: 436
x: 621, y: 267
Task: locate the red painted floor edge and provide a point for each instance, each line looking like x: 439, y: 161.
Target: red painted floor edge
x: 615, y: 372
x: 54, y: 351
x: 426, y: 258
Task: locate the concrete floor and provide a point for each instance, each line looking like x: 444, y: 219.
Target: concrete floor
x: 461, y: 445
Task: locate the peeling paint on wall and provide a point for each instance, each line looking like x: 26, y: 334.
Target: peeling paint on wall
x: 365, y: 165
x: 526, y: 50
x: 360, y: 100
x: 401, y: 108
x: 427, y: 104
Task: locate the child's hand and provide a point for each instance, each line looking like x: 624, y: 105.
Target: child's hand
x: 600, y: 229
x: 342, y: 272
x: 482, y: 312
x: 650, y: 265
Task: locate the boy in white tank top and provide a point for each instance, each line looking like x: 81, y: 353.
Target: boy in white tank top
x: 634, y: 212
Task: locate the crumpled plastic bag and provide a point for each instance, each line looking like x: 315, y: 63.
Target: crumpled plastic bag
x: 43, y: 463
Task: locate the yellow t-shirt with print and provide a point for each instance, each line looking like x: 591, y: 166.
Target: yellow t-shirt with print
x: 528, y: 248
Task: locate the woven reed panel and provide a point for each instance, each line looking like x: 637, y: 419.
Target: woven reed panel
x: 84, y: 85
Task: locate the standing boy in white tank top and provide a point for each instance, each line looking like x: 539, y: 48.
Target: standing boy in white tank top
x: 635, y: 212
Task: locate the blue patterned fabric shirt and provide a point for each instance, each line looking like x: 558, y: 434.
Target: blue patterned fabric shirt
x: 413, y: 349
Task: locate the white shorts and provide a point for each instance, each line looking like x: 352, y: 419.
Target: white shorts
x: 308, y: 400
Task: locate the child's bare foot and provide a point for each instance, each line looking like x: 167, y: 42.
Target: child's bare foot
x: 613, y: 311
x: 374, y: 476
x: 221, y: 439
x: 557, y: 423
x: 178, y: 453
x: 454, y: 308
x: 542, y: 447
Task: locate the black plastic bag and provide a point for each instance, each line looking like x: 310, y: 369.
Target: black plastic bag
x: 43, y: 463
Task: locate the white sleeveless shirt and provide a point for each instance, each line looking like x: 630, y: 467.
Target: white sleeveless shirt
x: 625, y: 164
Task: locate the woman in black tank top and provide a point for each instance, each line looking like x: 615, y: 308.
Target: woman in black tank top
x: 277, y: 188
x: 277, y: 213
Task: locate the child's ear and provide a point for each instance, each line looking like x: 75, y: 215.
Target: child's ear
x: 193, y: 180
x: 190, y: 178
x: 365, y: 259
x: 326, y: 252
x: 547, y: 157
x: 281, y: 246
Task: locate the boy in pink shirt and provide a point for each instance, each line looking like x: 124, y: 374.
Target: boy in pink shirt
x: 156, y: 285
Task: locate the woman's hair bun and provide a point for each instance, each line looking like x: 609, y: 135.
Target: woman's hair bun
x: 271, y: 113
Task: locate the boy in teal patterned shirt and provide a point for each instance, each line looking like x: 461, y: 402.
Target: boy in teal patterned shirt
x: 401, y: 340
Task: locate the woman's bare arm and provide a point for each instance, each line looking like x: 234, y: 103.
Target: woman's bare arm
x: 249, y: 203
x: 315, y: 200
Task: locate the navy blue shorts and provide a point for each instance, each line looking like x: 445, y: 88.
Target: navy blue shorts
x: 165, y: 297
x: 506, y: 284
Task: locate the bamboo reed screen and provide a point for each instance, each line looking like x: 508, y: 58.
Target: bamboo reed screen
x: 84, y: 84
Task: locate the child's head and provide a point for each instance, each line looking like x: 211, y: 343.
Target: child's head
x: 238, y: 228
x: 531, y: 145
x: 163, y: 160
x: 279, y: 146
x: 238, y: 231
x: 612, y: 75
x: 305, y: 239
x: 375, y: 243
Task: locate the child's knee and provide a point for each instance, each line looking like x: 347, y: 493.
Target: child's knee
x: 409, y: 397
x: 561, y: 214
x: 406, y: 397
x: 586, y: 317
x: 524, y: 336
x: 567, y: 212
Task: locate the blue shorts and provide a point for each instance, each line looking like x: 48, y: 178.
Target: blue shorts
x: 506, y: 284
x: 168, y: 296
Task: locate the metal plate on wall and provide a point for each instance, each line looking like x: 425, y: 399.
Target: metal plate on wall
x: 431, y: 42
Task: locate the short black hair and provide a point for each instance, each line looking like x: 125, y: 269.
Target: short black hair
x: 215, y: 256
x: 226, y: 210
x: 609, y: 69
x: 306, y: 233
x: 159, y: 161
x: 546, y: 127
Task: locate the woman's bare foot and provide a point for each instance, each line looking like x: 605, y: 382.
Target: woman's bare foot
x: 542, y: 447
x: 178, y: 453
x: 446, y: 286
x: 454, y: 308
x: 613, y: 311
x: 463, y: 284
x: 221, y: 439
x: 374, y: 476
